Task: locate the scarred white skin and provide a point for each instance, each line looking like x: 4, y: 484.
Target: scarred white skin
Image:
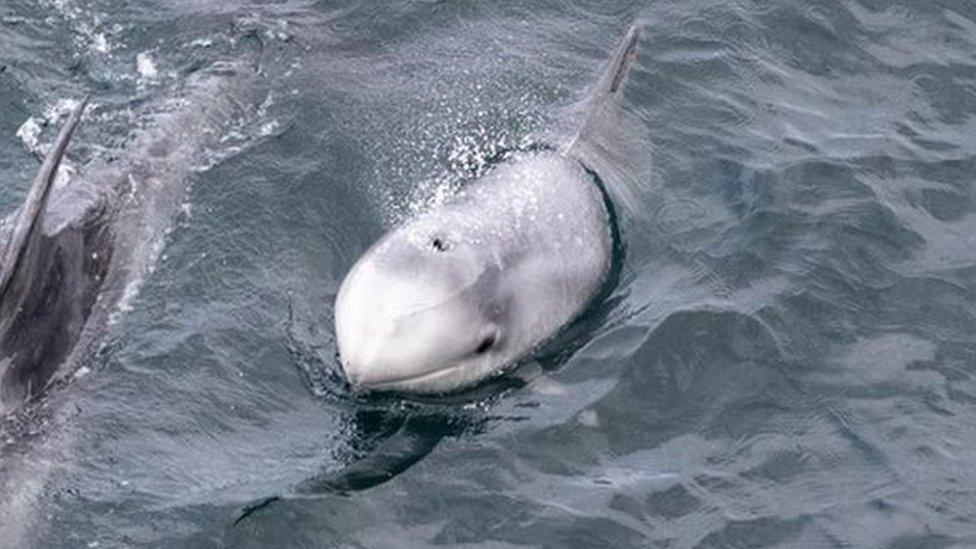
x: 462, y: 292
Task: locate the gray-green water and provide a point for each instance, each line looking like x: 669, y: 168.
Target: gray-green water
x: 787, y: 359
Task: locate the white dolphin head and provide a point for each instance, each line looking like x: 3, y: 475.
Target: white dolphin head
x: 421, y: 312
x: 463, y: 291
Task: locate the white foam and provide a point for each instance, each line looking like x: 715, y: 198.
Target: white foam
x: 61, y: 107
x: 29, y: 132
x: 269, y: 128
x: 146, y: 66
x: 589, y: 418
x: 66, y: 172
x: 100, y: 42
x: 124, y: 306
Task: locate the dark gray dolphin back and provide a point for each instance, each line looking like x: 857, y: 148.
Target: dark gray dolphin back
x: 49, y: 285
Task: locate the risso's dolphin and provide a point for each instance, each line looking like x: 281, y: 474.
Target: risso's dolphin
x: 48, y: 283
x: 463, y: 291
x: 77, y: 253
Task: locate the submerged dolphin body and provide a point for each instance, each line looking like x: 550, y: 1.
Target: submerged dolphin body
x: 78, y: 252
x: 462, y: 292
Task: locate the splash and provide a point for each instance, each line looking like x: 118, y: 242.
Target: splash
x: 146, y: 67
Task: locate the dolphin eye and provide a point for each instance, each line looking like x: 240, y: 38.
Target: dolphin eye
x: 486, y: 343
x: 439, y: 244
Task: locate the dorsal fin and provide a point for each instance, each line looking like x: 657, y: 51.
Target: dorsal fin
x: 605, y: 139
x: 610, y: 82
x: 619, y: 64
x: 29, y: 219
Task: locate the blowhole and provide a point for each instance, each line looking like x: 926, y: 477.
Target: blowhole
x: 439, y: 244
x: 486, y: 344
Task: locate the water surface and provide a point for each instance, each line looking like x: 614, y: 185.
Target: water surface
x: 787, y: 358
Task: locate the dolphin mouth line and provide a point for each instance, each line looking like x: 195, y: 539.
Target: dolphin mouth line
x: 392, y: 383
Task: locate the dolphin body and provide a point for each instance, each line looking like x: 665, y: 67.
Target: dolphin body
x: 463, y: 291
x: 76, y: 254
x: 48, y: 283
x: 460, y: 293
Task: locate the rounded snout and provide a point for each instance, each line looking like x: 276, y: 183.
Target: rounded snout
x: 408, y: 329
x: 395, y: 363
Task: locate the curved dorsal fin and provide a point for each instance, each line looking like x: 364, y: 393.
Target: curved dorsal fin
x: 605, y: 140
x: 609, y: 84
x: 29, y: 219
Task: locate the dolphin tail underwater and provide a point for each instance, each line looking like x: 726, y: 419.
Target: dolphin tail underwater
x: 23, y: 289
